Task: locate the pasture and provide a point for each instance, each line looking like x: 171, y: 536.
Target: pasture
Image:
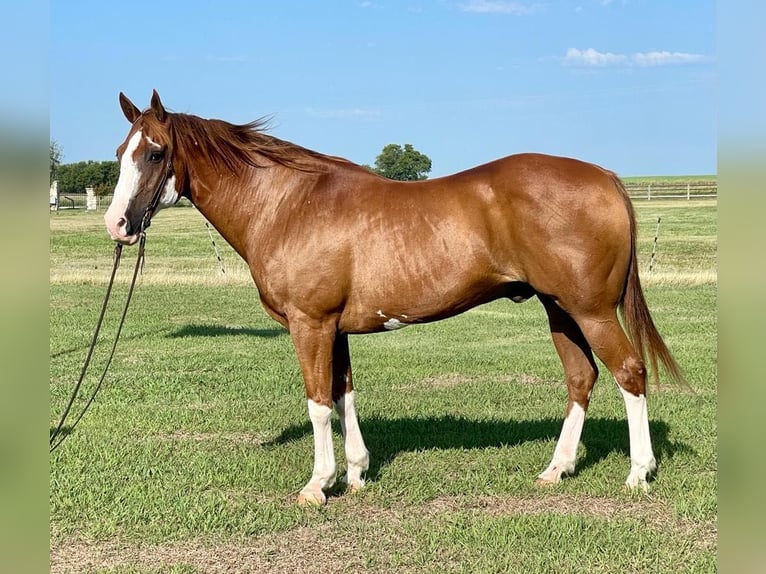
x: 191, y: 458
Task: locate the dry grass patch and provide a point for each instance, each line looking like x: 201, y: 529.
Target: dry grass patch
x: 359, y: 540
x: 703, y: 277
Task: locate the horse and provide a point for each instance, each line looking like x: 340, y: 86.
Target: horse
x: 335, y: 249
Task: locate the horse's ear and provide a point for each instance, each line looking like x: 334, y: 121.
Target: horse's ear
x: 157, y: 107
x: 129, y: 109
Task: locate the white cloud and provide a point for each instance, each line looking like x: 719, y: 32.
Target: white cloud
x: 592, y: 58
x: 498, y: 7
x: 665, y: 58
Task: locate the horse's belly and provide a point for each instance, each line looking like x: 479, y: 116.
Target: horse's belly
x: 408, y: 305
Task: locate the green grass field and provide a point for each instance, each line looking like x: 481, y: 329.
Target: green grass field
x: 191, y: 458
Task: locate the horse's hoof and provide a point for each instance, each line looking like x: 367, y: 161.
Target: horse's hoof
x: 353, y: 485
x: 311, y: 498
x: 546, y: 483
x: 640, y: 486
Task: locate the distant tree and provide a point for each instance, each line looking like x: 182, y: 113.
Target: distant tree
x: 403, y: 164
x: 101, y: 175
x: 56, y: 155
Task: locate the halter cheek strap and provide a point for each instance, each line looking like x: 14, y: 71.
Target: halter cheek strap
x: 152, y: 207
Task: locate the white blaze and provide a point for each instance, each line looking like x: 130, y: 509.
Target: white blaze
x: 130, y: 175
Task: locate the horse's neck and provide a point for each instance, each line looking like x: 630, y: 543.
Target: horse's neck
x: 243, y: 208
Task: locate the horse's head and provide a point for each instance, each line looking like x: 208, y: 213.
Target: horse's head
x: 147, y: 181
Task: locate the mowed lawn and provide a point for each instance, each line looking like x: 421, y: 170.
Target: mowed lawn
x: 192, y: 456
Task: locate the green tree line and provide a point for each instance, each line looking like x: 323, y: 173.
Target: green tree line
x: 75, y: 177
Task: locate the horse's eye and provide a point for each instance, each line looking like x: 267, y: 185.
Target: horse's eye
x: 155, y: 156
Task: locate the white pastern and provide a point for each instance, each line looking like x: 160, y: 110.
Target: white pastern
x: 323, y: 475
x: 565, y: 454
x: 642, y: 461
x: 357, y: 456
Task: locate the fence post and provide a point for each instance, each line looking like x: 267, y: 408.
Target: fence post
x: 649, y: 192
x: 54, y: 196
x: 91, y: 201
x: 688, y: 191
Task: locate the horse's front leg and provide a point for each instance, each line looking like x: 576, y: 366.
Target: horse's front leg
x: 313, y: 342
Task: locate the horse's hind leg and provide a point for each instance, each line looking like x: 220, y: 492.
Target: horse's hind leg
x: 611, y: 345
x: 357, y: 457
x: 580, y: 372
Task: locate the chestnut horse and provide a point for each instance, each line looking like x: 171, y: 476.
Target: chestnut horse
x: 335, y: 249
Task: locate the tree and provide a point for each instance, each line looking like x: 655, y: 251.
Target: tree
x: 101, y: 175
x: 403, y: 164
x: 56, y: 155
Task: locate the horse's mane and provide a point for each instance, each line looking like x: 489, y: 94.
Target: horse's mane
x: 230, y: 146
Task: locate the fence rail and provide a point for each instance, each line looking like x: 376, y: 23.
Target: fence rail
x: 671, y: 190
x: 79, y: 201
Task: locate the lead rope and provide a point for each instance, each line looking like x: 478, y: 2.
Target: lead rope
x: 139, y: 262
x: 54, y: 444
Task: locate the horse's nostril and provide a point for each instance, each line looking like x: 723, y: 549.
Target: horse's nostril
x: 123, y: 223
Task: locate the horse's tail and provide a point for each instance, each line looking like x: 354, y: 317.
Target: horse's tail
x: 635, y: 312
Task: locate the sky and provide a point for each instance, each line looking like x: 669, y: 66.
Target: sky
x: 627, y: 84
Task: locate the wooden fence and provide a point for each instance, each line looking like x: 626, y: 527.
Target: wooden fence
x: 79, y: 201
x: 671, y: 190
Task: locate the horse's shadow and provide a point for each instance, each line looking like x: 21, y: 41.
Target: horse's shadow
x: 387, y: 438
x: 198, y: 330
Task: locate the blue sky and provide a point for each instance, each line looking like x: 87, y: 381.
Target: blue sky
x: 627, y: 84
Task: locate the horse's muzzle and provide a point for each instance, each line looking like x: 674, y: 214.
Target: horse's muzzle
x: 122, y: 231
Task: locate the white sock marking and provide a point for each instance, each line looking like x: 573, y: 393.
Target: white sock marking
x: 324, y: 457
x: 565, y: 454
x: 357, y: 457
x: 642, y: 460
